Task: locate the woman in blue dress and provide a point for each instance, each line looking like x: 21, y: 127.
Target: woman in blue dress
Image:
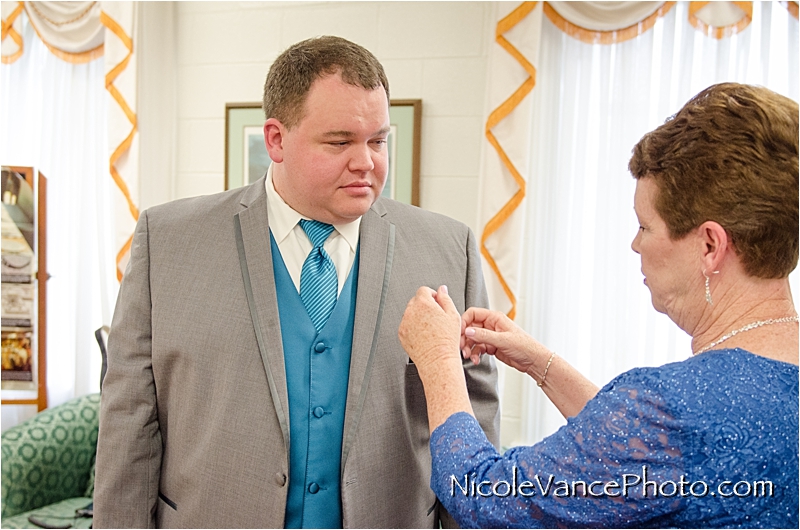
x: 711, y: 441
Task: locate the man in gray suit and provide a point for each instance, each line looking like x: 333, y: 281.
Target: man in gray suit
x: 255, y: 377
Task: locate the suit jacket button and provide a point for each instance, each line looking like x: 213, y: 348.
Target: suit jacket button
x: 319, y: 347
x: 313, y: 488
x: 280, y: 479
x: 319, y: 412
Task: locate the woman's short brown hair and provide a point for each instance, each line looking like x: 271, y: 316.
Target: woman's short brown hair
x: 730, y: 155
x: 294, y: 71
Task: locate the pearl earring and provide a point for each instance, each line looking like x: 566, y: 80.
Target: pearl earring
x: 708, y: 290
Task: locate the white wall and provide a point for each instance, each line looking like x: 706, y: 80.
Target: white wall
x: 434, y: 51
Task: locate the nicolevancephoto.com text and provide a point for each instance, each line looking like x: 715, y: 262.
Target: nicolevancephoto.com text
x: 629, y: 485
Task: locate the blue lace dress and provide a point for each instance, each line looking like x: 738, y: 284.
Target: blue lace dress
x: 708, y: 442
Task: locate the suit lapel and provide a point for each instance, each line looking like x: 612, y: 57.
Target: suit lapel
x: 376, y: 242
x: 255, y: 258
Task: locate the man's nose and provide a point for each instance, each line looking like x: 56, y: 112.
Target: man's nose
x: 361, y: 159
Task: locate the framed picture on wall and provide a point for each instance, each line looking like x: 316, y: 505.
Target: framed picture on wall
x: 24, y: 290
x: 246, y: 158
x: 402, y: 183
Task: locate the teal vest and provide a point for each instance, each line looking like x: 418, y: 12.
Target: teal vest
x: 317, y: 371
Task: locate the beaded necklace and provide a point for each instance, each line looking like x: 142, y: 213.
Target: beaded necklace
x: 748, y: 327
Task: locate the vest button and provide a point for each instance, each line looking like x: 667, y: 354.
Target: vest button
x: 280, y: 479
x: 313, y: 488
x: 319, y: 347
x: 319, y: 412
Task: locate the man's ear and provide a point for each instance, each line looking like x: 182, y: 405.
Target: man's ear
x: 274, y: 133
x: 715, y: 242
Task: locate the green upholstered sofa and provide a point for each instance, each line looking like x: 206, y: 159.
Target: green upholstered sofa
x: 48, y: 466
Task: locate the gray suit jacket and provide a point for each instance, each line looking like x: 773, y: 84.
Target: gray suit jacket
x: 194, y: 426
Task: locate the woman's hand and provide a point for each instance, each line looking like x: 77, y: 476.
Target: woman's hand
x: 430, y: 328
x: 492, y: 332
x: 485, y: 331
x: 430, y: 332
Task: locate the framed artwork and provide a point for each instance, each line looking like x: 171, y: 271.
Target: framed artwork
x: 24, y: 289
x: 402, y: 183
x: 246, y: 158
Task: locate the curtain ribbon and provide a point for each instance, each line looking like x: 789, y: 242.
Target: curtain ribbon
x: 9, y: 31
x: 791, y: 7
x: 123, y: 147
x: 497, y: 115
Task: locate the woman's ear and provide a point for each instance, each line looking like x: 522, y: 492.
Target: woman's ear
x: 715, y: 242
x: 274, y: 133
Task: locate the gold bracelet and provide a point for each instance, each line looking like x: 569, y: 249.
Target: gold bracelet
x: 546, y: 368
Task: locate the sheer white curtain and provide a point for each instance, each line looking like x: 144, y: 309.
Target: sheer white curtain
x: 54, y: 118
x: 582, y: 293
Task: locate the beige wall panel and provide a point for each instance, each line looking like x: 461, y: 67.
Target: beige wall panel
x: 432, y: 29
x: 203, y: 90
x: 452, y: 146
x: 405, y: 78
x: 195, y: 152
x: 461, y: 203
x: 453, y: 87
x: 355, y: 21
x: 239, y: 36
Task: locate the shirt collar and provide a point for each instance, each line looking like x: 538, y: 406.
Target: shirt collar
x: 283, y: 218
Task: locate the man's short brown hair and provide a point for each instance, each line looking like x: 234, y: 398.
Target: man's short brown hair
x: 294, y: 71
x: 730, y: 155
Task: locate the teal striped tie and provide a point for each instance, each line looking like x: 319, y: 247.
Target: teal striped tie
x: 319, y: 284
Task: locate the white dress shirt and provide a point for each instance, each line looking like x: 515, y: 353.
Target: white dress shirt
x: 294, y: 244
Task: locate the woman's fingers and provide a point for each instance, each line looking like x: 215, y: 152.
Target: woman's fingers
x: 497, y: 340
x: 431, y: 326
x: 473, y: 351
x: 486, y: 318
x: 445, y: 302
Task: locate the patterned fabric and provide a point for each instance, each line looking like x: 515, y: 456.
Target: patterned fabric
x: 49, y: 458
x: 318, y: 281
x: 61, y: 513
x: 707, y: 442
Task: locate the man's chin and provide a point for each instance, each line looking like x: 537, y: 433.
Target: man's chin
x: 351, y: 213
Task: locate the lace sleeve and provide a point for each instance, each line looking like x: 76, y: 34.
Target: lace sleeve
x: 618, y: 463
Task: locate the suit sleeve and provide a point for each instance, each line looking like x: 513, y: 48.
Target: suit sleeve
x: 129, y: 443
x: 481, y: 379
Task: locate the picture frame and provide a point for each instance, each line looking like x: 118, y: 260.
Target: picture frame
x: 24, y: 304
x: 246, y: 158
x: 244, y: 154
